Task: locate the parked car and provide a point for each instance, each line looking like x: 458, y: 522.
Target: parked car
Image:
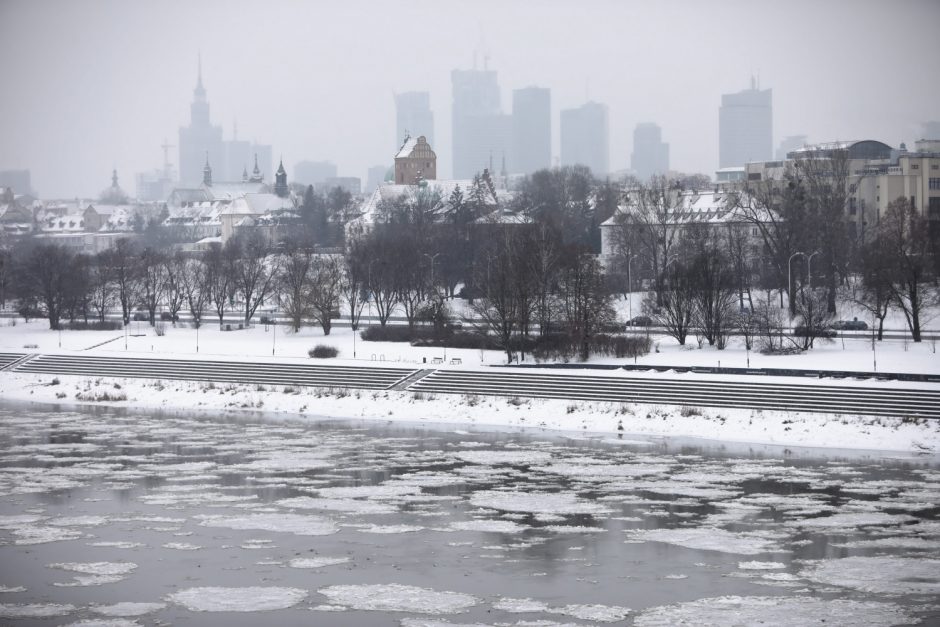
x: 640, y: 321
x: 140, y: 316
x: 803, y: 331
x: 850, y: 325
x: 166, y: 316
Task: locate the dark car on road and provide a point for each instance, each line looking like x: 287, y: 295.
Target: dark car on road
x: 640, y: 321
x: 850, y: 325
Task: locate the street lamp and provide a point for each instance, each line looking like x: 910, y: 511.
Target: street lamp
x: 790, y: 279
x: 809, y: 268
x: 273, y: 330
x: 432, y: 258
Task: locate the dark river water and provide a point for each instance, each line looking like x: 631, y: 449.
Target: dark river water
x: 130, y: 518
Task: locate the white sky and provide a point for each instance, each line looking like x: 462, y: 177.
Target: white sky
x: 92, y: 85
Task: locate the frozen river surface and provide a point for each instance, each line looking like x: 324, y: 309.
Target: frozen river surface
x: 113, y: 518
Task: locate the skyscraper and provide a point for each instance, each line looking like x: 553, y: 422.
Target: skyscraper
x: 413, y: 116
x: 745, y: 127
x: 199, y: 140
x: 584, y: 137
x: 650, y: 154
x: 481, y: 133
x: 531, y: 130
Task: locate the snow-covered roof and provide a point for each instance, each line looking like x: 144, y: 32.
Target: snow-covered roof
x: 393, y: 191
x: 254, y: 204
x: 206, y: 212
x: 694, y: 207
x: 407, y: 147
x: 231, y: 191
x: 69, y: 223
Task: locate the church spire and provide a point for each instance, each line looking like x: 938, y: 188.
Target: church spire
x: 200, y: 92
x: 280, y: 180
x: 256, y: 176
x: 207, y: 172
x: 114, y: 179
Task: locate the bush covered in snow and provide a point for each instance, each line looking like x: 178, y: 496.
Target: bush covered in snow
x: 322, y: 351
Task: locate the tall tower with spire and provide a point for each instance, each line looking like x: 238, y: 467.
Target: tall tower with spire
x: 207, y: 173
x: 199, y: 138
x: 280, y: 180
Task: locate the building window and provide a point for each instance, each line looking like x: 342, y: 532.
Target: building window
x: 934, y: 183
x: 753, y: 176
x: 852, y: 208
x: 933, y: 210
x: 935, y: 166
x: 914, y: 166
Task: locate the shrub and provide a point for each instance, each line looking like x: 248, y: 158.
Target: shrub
x: 322, y: 351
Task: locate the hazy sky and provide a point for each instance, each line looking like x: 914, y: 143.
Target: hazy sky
x: 91, y: 85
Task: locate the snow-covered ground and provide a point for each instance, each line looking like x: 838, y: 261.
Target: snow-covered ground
x: 258, y: 343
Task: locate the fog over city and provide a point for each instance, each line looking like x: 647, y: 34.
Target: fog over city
x: 92, y: 86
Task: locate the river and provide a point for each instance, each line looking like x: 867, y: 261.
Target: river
x: 114, y: 517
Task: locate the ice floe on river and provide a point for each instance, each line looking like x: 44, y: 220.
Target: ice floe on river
x: 398, y: 598
x: 250, y: 599
x: 738, y: 611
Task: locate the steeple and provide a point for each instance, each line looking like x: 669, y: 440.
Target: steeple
x: 245, y: 175
x: 280, y: 180
x: 207, y: 172
x: 114, y: 179
x: 199, y: 109
x: 256, y: 176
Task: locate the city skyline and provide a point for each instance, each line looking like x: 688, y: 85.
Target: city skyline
x: 308, y: 106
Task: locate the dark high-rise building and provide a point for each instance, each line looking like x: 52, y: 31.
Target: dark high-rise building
x: 482, y: 135
x: 531, y: 130
x: 413, y: 116
x: 199, y: 140
x: 585, y: 138
x: 745, y: 127
x: 650, y: 154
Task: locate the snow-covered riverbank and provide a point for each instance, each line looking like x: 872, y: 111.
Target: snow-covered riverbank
x: 614, y: 419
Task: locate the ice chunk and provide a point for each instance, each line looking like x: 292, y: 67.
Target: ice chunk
x: 536, y: 502
x: 736, y: 611
x: 316, y: 562
x: 887, y: 575
x: 512, y: 458
x: 250, y: 599
x: 709, y: 539
x: 398, y: 598
x: 35, y: 610
x: 519, y: 606
x: 127, y: 609
x: 596, y: 613
x: 761, y: 565
x: 852, y: 521
x: 491, y: 526
x: 287, y: 523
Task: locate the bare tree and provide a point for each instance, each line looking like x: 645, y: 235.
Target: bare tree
x: 905, y: 236
x: 45, y: 275
x: 678, y: 304
x: 123, y: 263
x: 768, y: 321
x: 586, y: 301
x: 815, y: 320
x: 712, y: 277
x: 195, y: 283
x: 103, y: 294
x: 356, y: 283
x: 152, y: 281
x: 174, y: 269
x: 326, y: 290
x: 496, y: 311
x: 294, y: 277
x: 871, y: 289
x: 220, y: 277
x: 254, y: 272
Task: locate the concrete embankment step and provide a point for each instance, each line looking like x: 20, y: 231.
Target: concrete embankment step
x: 312, y: 375
x: 769, y: 396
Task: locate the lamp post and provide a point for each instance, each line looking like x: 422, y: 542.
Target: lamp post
x: 198, y: 323
x: 790, y: 280
x: 273, y: 330
x: 809, y: 268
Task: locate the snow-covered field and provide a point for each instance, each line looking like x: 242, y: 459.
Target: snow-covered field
x: 779, y: 428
